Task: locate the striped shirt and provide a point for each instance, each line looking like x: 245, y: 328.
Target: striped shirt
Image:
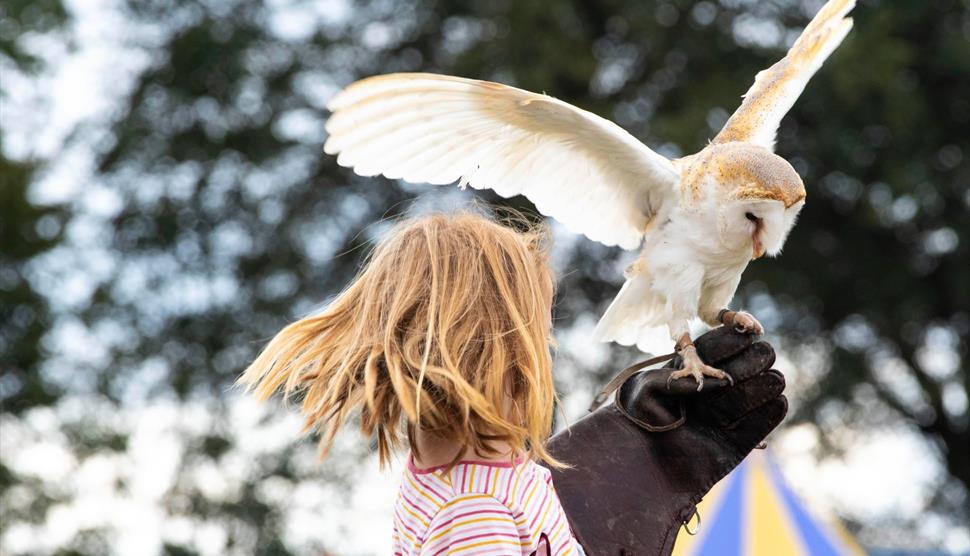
x: 481, y: 508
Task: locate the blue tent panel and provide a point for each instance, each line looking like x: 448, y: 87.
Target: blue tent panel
x: 816, y: 542
x: 726, y: 529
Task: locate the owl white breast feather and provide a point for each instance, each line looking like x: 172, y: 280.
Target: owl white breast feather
x: 700, y: 218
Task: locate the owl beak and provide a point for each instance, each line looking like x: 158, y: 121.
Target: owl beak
x: 758, y: 248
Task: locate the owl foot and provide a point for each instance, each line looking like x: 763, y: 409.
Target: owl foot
x: 694, y: 367
x: 744, y: 323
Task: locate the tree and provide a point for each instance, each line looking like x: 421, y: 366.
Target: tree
x: 222, y: 220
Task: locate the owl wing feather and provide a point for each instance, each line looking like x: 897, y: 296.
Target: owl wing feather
x: 575, y: 166
x: 777, y: 88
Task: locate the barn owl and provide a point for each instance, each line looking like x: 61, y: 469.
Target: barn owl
x: 700, y: 219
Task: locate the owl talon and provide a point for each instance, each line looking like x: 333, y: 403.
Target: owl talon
x: 684, y: 373
x: 694, y: 367
x: 745, y: 323
x: 741, y: 322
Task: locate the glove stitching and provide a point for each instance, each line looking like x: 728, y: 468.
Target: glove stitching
x: 653, y: 428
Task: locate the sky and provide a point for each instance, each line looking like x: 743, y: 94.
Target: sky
x: 37, y: 118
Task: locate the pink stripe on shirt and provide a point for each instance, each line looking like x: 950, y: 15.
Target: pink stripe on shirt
x: 472, y: 519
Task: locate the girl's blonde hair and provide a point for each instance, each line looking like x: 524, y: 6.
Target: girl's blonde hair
x: 446, y: 328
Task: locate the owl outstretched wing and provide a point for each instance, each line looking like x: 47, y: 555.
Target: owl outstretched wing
x: 776, y: 88
x: 575, y: 166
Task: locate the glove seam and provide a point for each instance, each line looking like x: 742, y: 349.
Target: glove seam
x: 618, y: 403
x: 653, y: 428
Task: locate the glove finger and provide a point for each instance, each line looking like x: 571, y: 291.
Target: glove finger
x: 754, y: 427
x: 741, y: 366
x: 749, y: 363
x: 732, y: 404
x: 722, y: 343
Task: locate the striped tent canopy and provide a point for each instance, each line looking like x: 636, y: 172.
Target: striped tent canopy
x: 752, y: 512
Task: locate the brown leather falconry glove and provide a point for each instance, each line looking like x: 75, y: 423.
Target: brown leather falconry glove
x: 641, y: 464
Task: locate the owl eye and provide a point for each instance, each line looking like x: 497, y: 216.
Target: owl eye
x: 752, y: 217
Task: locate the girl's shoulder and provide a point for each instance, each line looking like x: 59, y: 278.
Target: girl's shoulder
x: 474, y: 476
x: 436, y: 503
x: 501, y: 502
x: 517, y: 488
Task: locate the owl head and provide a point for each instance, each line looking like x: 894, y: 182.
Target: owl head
x: 760, y: 197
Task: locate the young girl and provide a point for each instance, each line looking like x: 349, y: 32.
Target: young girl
x: 442, y: 340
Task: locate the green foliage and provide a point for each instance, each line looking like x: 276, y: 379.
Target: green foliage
x: 23, y: 19
x: 26, y: 231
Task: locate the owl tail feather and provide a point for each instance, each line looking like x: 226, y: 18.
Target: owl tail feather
x: 633, y: 315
